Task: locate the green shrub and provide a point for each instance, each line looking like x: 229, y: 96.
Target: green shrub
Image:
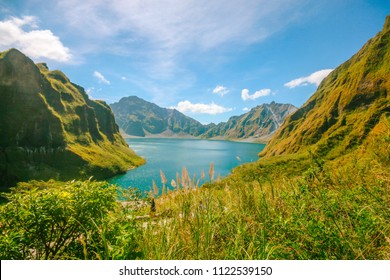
x: 73, y: 220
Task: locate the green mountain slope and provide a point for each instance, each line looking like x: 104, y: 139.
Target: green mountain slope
x: 352, y: 102
x: 330, y: 205
x: 259, y: 124
x: 138, y: 117
x: 49, y: 128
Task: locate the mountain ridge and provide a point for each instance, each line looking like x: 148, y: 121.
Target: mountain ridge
x: 140, y: 118
x: 349, y: 104
x: 49, y: 128
x: 260, y: 123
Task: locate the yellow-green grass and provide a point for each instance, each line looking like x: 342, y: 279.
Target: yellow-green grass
x: 294, y: 207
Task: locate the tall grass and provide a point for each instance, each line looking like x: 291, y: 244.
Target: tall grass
x: 281, y: 208
x: 328, y: 212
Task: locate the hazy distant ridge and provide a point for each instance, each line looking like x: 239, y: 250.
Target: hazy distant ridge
x: 137, y: 117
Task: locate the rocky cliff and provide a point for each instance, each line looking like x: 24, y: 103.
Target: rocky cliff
x: 49, y: 128
x: 351, y: 104
x: 137, y: 117
x: 259, y: 124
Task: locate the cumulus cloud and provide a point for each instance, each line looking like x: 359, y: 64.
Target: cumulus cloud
x: 34, y: 43
x: 220, y: 90
x: 260, y: 93
x: 246, y: 109
x: 314, y: 78
x: 101, y: 78
x: 211, y: 109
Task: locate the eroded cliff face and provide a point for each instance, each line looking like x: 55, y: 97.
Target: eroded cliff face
x: 351, y: 103
x: 138, y: 117
x: 259, y: 124
x: 49, y: 128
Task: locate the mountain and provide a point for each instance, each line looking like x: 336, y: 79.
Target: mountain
x: 350, y: 105
x: 138, y: 117
x: 49, y: 128
x: 260, y: 123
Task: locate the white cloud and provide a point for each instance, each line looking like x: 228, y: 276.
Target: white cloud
x: 260, y: 93
x: 93, y: 92
x: 314, y: 78
x: 246, y: 109
x: 161, y: 31
x: 220, y: 90
x: 101, y: 78
x: 35, y: 43
x: 89, y: 91
x: 173, y: 23
x: 211, y: 109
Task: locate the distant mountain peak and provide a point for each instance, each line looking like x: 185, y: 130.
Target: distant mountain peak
x: 14, y: 52
x: 138, y: 117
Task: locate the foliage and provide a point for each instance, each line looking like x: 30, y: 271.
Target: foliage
x: 72, y: 220
x: 259, y: 123
x: 326, y: 197
x: 291, y: 207
x: 328, y: 211
x: 138, y: 117
x: 346, y: 107
x: 66, y: 135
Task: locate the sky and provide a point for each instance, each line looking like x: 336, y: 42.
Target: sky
x: 210, y: 59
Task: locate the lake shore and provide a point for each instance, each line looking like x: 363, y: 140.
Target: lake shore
x: 171, y: 155
x: 170, y: 135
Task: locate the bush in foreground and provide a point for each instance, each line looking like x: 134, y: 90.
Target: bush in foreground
x: 72, y: 220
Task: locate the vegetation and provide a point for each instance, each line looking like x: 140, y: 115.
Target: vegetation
x: 346, y: 107
x: 321, y: 192
x: 66, y: 135
x: 299, y: 208
x: 327, y: 210
x: 259, y: 124
x: 138, y: 117
x: 73, y: 220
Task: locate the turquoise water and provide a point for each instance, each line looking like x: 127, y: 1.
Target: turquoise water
x: 171, y: 155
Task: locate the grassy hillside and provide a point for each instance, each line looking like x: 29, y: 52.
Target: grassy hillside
x: 347, y: 106
x: 322, y: 191
x: 279, y: 208
x: 282, y: 207
x: 49, y: 128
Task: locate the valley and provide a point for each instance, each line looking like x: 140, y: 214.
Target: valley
x: 318, y: 190
x: 140, y: 118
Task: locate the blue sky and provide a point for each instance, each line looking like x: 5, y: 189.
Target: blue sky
x: 209, y: 59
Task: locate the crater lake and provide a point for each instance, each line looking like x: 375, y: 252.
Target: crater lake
x: 172, y: 155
